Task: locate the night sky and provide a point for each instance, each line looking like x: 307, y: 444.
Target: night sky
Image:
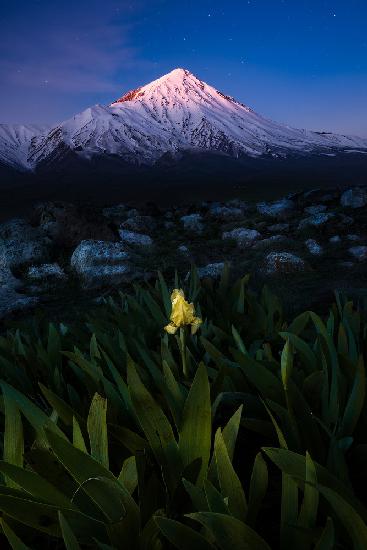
x: 302, y: 62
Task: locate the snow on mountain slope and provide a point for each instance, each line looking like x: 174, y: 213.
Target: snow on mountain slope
x: 175, y: 113
x: 15, y: 140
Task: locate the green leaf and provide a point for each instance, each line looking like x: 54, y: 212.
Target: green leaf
x: 216, y: 501
x: 156, y: 428
x: 44, y: 517
x: 13, y: 435
x: 34, y: 484
x: 294, y: 465
x: 195, y: 432
x: 166, y: 297
x: 286, y: 363
x: 182, y: 536
x: 129, y: 475
x: 97, y: 429
x: 229, y: 482
x: 70, y: 540
x: 229, y: 532
x: 13, y: 540
x: 355, y: 402
x: 258, y: 488
x: 327, y: 539
x: 197, y: 496
x: 349, y: 517
x: 78, y: 439
x: 308, y: 513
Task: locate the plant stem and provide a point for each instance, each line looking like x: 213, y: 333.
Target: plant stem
x: 183, y: 351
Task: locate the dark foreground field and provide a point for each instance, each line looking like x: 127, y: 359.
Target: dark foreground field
x: 192, y: 179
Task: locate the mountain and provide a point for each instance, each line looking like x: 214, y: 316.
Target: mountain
x: 174, y: 115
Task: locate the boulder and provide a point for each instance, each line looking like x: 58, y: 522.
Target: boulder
x: 284, y: 262
x: 139, y: 223
x: 11, y: 301
x: 244, y: 237
x: 335, y: 239
x: 226, y: 213
x: 359, y: 252
x: 101, y: 263
x: 278, y: 227
x: 193, y: 222
x: 269, y: 242
x: 354, y: 198
x: 314, y: 247
x: 212, y: 271
x: 316, y: 220
x: 67, y: 225
x: 22, y: 244
x: 278, y: 209
x: 46, y: 273
x: 133, y: 238
x: 315, y: 209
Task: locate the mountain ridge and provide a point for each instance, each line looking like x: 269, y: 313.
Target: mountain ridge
x: 175, y: 113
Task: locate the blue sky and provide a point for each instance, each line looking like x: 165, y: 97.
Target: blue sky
x: 296, y: 61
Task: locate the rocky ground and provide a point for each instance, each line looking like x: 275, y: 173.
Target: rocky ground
x: 305, y: 246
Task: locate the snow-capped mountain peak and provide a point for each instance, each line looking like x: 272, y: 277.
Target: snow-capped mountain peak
x: 175, y: 113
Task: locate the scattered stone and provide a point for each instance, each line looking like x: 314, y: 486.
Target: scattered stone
x: 334, y: 240
x: 266, y: 243
x: 226, y: 213
x: 315, y: 220
x: 22, y: 244
x: 101, y: 263
x: 131, y: 237
x: 315, y: 209
x: 278, y: 227
x: 50, y: 273
x: 193, y: 222
x: 278, y: 209
x: 212, y: 271
x: 314, y: 247
x: 11, y: 301
x: 183, y: 249
x: 115, y: 213
x: 354, y: 198
x: 346, y: 264
x: 67, y: 225
x: 359, y: 252
x: 139, y: 223
x: 243, y: 236
x: 354, y: 238
x: 346, y: 220
x: 284, y: 262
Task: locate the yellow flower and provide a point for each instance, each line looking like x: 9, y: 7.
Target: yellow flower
x: 182, y: 314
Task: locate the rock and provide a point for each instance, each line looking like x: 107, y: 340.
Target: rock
x: 193, y: 222
x: 131, y: 237
x: 354, y: 198
x: 284, y: 262
x: 335, y: 239
x: 238, y: 203
x: 46, y: 273
x: 346, y: 220
x: 278, y: 227
x: 316, y: 220
x: 169, y: 225
x: 278, y: 209
x: 243, y: 236
x: 116, y: 213
x: 183, y: 249
x: 67, y: 225
x: 101, y: 263
x: 22, y: 244
x: 314, y: 247
x: 315, y: 209
x: 359, y: 252
x: 212, y: 271
x: 354, y: 238
x: 10, y: 300
x: 266, y: 243
x: 226, y: 213
x: 139, y: 223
